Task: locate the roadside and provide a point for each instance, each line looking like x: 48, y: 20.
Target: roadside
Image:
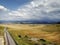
x: 1, y: 40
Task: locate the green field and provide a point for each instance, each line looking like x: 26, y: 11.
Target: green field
x: 35, y: 34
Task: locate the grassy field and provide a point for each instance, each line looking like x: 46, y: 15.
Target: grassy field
x: 1, y: 31
x: 1, y: 35
x: 37, y: 34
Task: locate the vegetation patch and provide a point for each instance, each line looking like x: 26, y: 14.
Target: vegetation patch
x: 42, y: 34
x: 1, y: 30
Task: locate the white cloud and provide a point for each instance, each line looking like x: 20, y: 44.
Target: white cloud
x: 3, y: 13
x: 37, y: 10
x: 2, y: 8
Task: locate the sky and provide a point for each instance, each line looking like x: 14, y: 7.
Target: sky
x: 46, y: 10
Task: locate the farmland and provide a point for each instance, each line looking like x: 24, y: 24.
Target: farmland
x: 33, y: 34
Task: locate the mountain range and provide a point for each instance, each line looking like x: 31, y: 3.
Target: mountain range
x: 30, y: 22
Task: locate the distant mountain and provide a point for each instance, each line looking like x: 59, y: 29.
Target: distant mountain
x: 30, y: 22
x: 58, y: 22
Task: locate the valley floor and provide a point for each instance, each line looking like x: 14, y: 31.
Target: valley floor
x: 31, y: 34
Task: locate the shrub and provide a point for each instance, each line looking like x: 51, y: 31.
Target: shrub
x: 19, y: 36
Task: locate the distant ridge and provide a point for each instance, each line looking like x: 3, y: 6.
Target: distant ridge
x: 30, y: 22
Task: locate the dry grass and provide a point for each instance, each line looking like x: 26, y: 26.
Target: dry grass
x: 50, y: 32
x: 1, y: 31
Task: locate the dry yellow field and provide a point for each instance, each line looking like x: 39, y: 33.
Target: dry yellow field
x: 49, y: 32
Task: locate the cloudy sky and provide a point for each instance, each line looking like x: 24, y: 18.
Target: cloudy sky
x: 30, y: 10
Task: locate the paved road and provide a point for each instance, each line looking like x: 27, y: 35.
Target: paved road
x: 9, y: 40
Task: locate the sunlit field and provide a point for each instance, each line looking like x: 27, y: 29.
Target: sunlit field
x: 1, y: 31
x: 35, y: 34
x: 1, y: 35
